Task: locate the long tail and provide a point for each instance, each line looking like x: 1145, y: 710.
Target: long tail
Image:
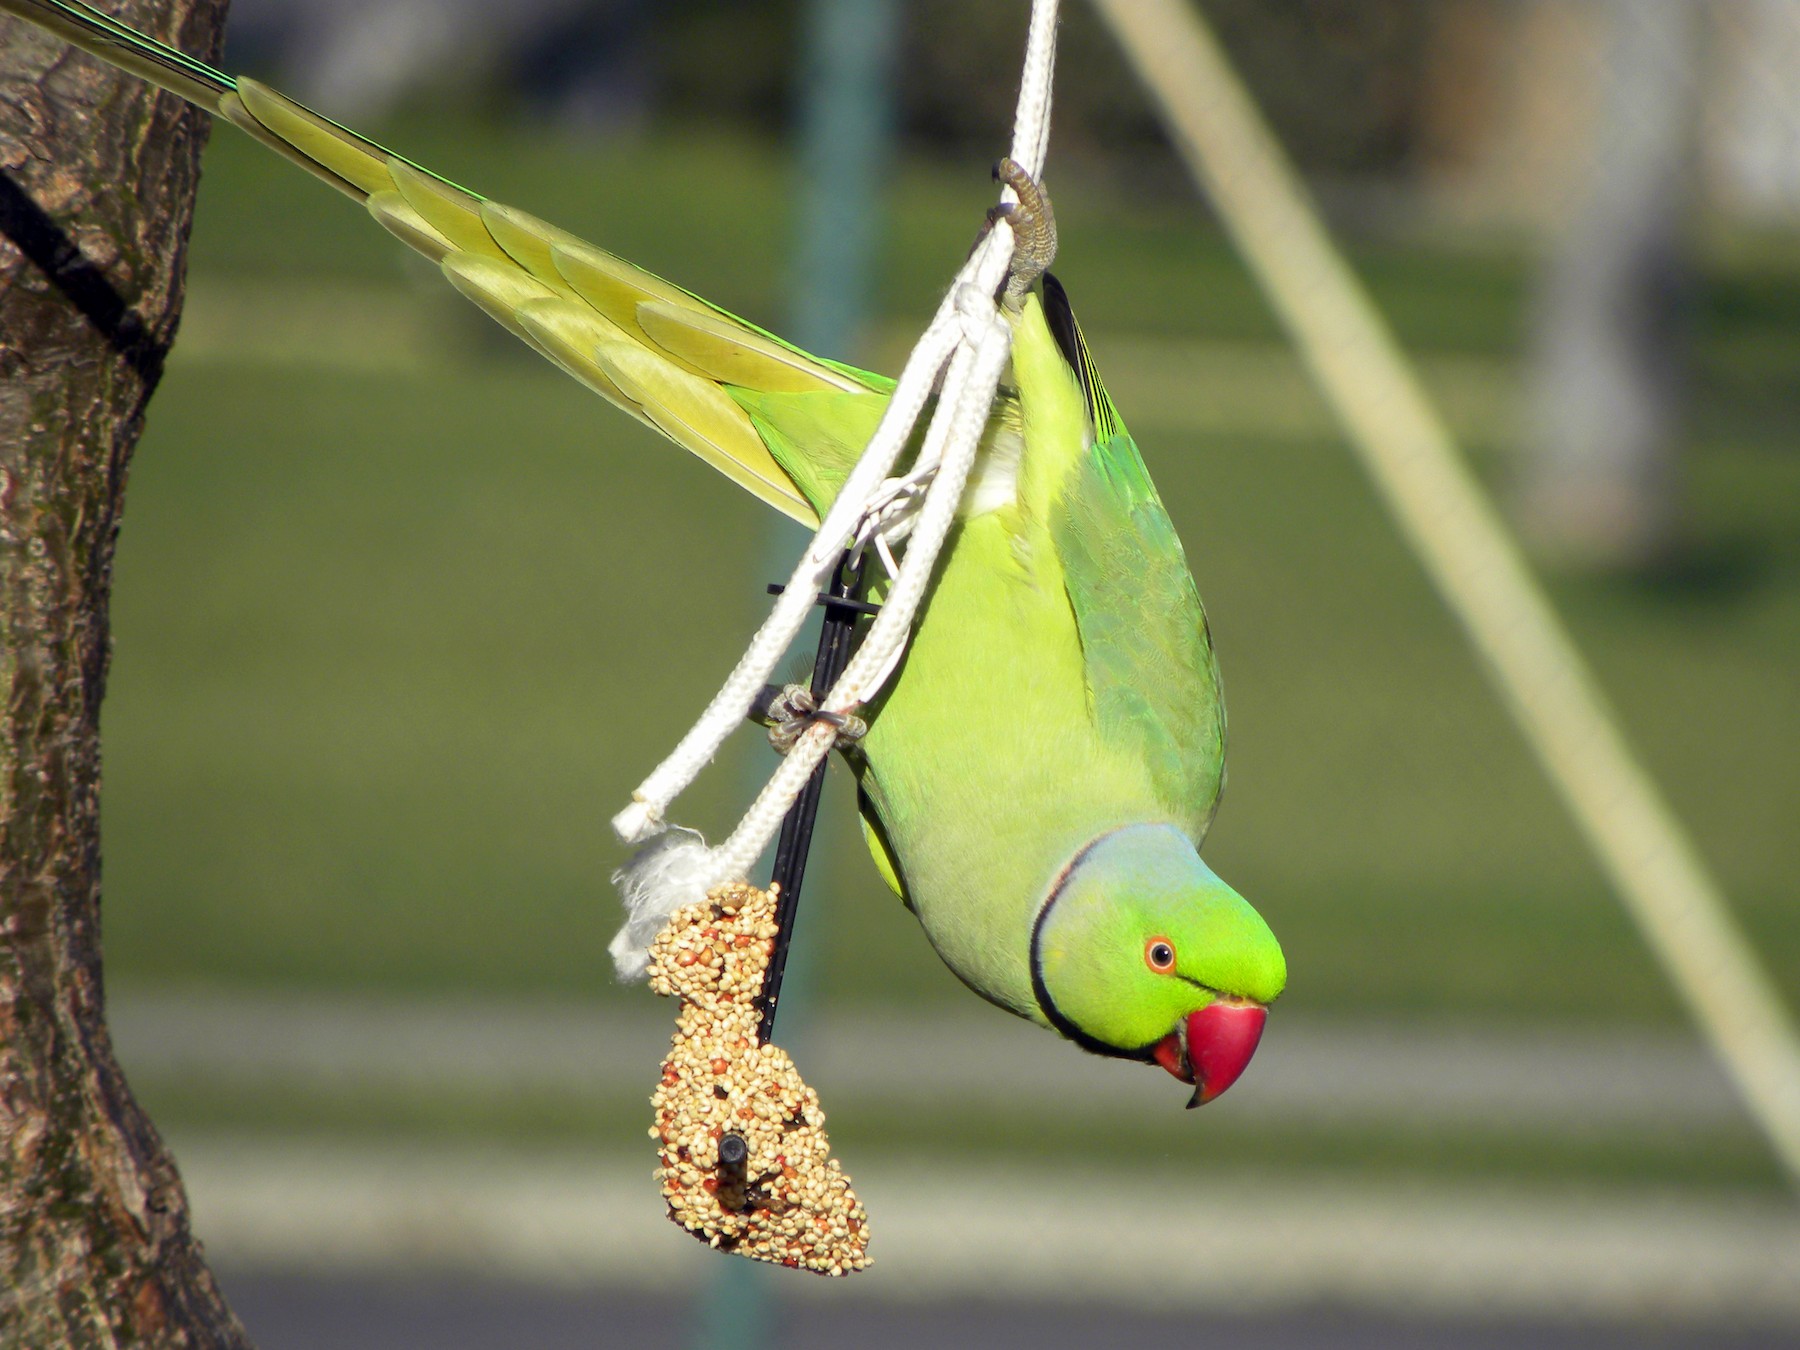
x: 665, y: 356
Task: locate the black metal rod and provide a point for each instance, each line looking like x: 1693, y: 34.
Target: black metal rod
x: 842, y: 610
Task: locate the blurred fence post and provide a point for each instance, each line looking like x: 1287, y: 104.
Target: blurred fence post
x: 846, y: 144
x: 846, y: 110
x: 1469, y: 557
x: 1607, y: 388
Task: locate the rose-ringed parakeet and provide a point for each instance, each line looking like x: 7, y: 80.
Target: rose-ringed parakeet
x: 1036, y: 781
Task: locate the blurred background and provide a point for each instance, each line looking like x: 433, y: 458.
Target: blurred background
x: 403, y: 615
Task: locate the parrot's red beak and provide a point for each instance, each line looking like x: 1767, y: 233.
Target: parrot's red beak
x: 1211, y: 1047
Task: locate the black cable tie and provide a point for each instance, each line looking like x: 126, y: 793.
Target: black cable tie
x: 842, y: 610
x: 832, y: 602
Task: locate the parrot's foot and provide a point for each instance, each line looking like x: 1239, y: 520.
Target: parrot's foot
x: 788, y: 710
x: 1033, y: 226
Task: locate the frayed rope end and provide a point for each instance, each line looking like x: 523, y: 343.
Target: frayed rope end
x: 637, y: 823
x: 673, y: 869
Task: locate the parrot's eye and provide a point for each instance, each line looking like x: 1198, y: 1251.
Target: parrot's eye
x: 1159, y: 955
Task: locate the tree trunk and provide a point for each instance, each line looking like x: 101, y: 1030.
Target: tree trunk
x: 97, y: 179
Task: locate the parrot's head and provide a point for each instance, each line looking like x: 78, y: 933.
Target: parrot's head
x: 1141, y: 952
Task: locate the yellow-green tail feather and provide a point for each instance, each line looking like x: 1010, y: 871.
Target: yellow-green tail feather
x: 663, y: 355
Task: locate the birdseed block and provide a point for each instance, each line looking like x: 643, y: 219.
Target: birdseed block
x: 746, y: 1166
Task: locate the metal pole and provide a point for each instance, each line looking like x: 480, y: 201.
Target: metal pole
x: 846, y: 138
x: 846, y: 116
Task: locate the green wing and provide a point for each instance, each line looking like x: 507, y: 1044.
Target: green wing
x: 670, y: 359
x: 1151, y: 673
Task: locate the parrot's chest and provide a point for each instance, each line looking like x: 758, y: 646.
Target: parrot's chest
x: 983, y: 763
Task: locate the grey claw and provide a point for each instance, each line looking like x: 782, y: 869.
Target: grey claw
x: 790, y: 709
x: 1034, y: 229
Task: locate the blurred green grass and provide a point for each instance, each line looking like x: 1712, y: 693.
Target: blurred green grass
x: 393, y: 643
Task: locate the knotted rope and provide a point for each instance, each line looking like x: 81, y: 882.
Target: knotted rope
x: 962, y: 353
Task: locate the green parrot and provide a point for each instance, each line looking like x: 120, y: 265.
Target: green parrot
x: 1036, y: 781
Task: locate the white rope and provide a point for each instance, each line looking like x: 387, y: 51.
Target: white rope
x: 1031, y: 123
x: 966, y: 347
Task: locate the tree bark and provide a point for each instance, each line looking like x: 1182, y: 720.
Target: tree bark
x: 97, y: 180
